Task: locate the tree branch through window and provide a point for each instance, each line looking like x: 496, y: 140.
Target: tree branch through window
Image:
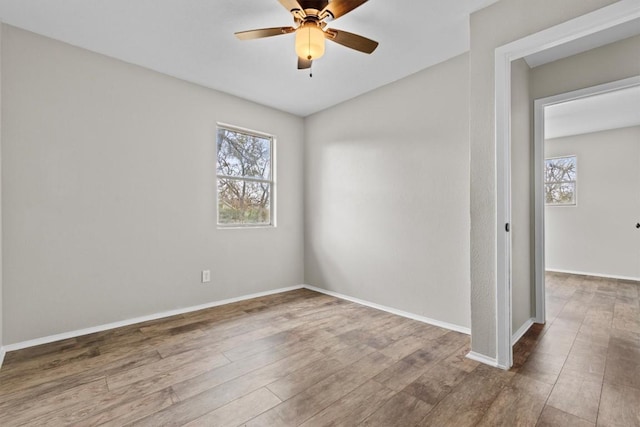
x: 560, y: 180
x: 244, y: 173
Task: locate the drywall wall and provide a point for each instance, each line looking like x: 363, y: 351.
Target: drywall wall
x: 109, y: 198
x: 387, y: 195
x: 1, y: 270
x: 587, y: 69
x: 492, y: 27
x: 522, y: 221
x: 598, y: 235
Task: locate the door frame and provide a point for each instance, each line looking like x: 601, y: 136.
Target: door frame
x: 539, y: 105
x: 601, y: 19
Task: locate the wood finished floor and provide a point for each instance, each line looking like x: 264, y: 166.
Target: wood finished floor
x: 303, y: 358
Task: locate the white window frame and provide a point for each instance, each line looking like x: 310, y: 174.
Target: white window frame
x: 271, y: 182
x: 574, y: 182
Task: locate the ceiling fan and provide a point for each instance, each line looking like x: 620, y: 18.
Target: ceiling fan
x: 311, y: 18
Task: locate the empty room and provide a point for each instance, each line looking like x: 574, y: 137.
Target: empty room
x: 320, y: 212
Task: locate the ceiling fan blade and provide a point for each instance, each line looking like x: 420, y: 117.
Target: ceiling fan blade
x: 351, y: 40
x: 338, y: 8
x: 264, y: 32
x: 292, y: 5
x: 303, y: 64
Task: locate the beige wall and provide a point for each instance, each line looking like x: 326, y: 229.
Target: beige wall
x: 522, y: 220
x: 1, y: 269
x: 615, y: 61
x: 494, y: 26
x: 387, y: 195
x: 597, y: 236
x: 108, y: 188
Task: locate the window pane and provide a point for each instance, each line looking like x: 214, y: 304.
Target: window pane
x: 560, y: 180
x: 243, y: 155
x: 243, y: 202
x: 560, y: 170
x: 560, y: 193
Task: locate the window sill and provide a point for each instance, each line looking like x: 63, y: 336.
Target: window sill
x: 243, y: 227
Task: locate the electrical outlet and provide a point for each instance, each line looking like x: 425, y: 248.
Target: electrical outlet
x: 206, y: 276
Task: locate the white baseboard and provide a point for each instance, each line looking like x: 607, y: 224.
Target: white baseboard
x: 485, y: 359
x: 395, y: 311
x: 584, y: 273
x: 113, y: 325
x: 521, y: 331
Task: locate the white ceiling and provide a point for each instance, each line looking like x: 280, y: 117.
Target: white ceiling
x: 610, y: 110
x: 193, y: 40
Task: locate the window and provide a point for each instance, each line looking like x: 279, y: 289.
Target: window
x: 245, y: 183
x: 560, y: 180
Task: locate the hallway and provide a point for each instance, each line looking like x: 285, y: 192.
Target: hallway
x: 589, y: 350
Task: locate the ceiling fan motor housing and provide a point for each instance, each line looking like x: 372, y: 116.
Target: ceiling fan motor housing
x: 313, y: 5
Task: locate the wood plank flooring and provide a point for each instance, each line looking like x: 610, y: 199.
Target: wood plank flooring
x: 305, y: 359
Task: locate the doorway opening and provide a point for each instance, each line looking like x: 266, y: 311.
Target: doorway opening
x: 592, y: 235
x: 570, y: 33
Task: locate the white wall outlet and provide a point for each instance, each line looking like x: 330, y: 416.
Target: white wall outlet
x: 206, y: 276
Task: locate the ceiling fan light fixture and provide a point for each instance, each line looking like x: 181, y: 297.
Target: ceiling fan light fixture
x: 311, y: 18
x: 309, y: 41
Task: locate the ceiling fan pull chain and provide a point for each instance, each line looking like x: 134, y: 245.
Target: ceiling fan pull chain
x: 311, y: 70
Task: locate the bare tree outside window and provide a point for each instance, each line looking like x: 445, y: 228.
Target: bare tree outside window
x: 244, y: 171
x: 560, y: 181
